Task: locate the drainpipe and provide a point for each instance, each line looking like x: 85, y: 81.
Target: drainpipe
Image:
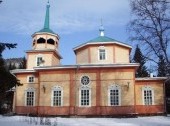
x: 76, y: 91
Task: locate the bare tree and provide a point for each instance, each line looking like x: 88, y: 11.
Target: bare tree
x: 150, y: 26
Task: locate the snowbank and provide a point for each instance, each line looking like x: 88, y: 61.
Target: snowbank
x: 37, y: 121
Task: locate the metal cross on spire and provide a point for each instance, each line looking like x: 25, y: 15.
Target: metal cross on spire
x: 101, y: 29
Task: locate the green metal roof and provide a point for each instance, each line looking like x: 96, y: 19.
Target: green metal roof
x: 46, y: 30
x: 102, y: 39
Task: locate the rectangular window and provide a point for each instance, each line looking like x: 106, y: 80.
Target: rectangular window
x: 114, y: 97
x: 148, y: 97
x: 85, y: 97
x: 102, y: 54
x: 31, y: 79
x: 30, y: 98
x: 39, y: 61
x: 57, y: 97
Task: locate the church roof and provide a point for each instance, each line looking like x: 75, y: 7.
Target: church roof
x: 102, y: 39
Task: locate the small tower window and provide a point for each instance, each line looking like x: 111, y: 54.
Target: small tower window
x: 34, y: 42
x: 50, y: 41
x: 102, y: 53
x: 39, y: 60
x: 41, y: 40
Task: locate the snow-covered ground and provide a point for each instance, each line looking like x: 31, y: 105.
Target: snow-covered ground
x: 35, y: 121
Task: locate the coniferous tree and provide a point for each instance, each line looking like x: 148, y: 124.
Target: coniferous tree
x: 7, y: 80
x: 139, y: 58
x: 161, y: 67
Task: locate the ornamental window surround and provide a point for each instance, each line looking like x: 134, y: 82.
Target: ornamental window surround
x: 57, y: 96
x: 30, y: 97
x: 148, y: 95
x: 114, y: 95
x: 85, y: 92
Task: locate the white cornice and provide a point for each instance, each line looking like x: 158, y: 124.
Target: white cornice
x: 150, y: 78
x: 22, y: 71
x: 87, y: 66
x: 46, y: 50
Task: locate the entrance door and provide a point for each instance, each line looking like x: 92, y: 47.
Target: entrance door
x: 167, y: 93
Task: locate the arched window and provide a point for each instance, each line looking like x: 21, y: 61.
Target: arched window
x: 148, y: 95
x: 30, y: 97
x: 102, y: 53
x: 34, y: 42
x: 114, y: 95
x: 57, y: 96
x: 85, y: 92
x: 84, y: 96
x: 41, y: 40
x: 50, y: 41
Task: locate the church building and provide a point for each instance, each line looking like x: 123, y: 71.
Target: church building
x: 101, y: 83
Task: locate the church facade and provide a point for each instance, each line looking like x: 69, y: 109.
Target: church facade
x: 101, y: 83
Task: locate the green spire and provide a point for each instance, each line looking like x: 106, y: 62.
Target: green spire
x: 47, y: 17
x: 47, y: 20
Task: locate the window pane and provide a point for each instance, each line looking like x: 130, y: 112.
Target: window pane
x: 114, y: 97
x: 102, y: 54
x: 31, y: 79
x: 30, y: 98
x: 57, y: 98
x: 85, y: 99
x: 148, y: 97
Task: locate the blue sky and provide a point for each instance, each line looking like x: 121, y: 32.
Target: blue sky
x: 76, y: 21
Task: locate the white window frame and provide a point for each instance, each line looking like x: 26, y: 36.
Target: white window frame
x: 114, y: 87
x: 84, y: 88
x: 39, y: 56
x: 147, y: 88
x: 102, y: 48
x: 56, y: 88
x: 30, y: 90
x: 28, y: 79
